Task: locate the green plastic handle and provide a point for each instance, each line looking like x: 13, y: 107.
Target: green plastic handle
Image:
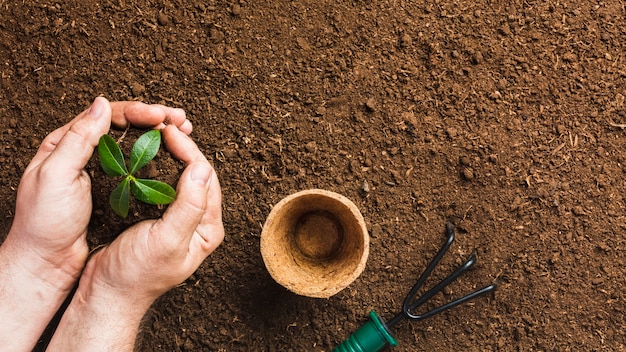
x: 373, y: 336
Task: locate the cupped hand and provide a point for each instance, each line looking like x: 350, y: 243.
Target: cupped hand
x: 53, y: 205
x: 153, y: 256
x: 122, y: 280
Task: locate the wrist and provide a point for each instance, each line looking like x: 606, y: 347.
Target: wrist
x: 30, y: 295
x: 95, y: 297
x: 57, y: 271
x: 99, y: 318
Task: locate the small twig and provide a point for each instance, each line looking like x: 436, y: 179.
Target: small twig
x: 620, y: 125
x: 556, y: 150
x: 119, y: 140
x: 466, y: 212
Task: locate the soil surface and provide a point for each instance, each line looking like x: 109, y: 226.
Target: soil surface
x: 506, y: 118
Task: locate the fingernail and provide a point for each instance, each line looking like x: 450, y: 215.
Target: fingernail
x: 200, y: 174
x: 97, y: 108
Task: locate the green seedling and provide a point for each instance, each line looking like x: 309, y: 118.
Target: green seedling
x: 148, y: 191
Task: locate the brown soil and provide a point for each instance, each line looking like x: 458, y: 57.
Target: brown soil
x: 505, y: 118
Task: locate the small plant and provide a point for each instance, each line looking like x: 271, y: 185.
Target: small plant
x: 145, y: 190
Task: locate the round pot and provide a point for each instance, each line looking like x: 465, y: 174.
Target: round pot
x: 315, y: 243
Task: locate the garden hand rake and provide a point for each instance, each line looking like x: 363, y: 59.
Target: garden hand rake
x: 375, y: 335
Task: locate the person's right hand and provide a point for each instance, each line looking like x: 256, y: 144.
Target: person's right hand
x: 121, y: 281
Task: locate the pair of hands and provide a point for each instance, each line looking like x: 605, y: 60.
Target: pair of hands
x: 46, y: 249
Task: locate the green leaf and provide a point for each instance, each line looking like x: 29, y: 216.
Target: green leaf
x: 144, y: 150
x: 152, y: 191
x: 119, y: 199
x: 111, y: 158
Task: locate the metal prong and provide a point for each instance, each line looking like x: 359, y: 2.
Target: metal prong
x: 410, y: 304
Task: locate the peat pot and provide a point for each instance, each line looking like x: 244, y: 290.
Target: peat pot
x: 315, y: 243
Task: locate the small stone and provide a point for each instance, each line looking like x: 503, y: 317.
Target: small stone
x: 34, y: 142
x: 354, y: 166
x: 321, y: 110
x: 468, y: 173
x: 137, y: 89
x: 505, y: 30
x: 230, y: 153
x: 578, y: 210
x: 236, y: 10
x: 409, y: 117
x: 159, y: 53
x: 555, y: 257
x: 495, y: 95
x: 216, y: 35
x: 4, y: 83
x: 365, y: 186
x: 406, y: 40
x: 452, y: 132
x: 377, y: 230
x: 371, y: 104
x: 163, y: 19
x: 502, y: 84
x: 570, y: 57
x: 302, y: 42
x: 311, y: 147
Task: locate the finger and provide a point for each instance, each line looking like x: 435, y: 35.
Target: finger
x: 181, y: 146
x: 52, y: 140
x: 186, y: 127
x: 148, y: 116
x: 74, y: 149
x: 176, y: 117
x: 136, y: 113
x: 184, y: 149
x: 183, y: 216
x: 210, y: 231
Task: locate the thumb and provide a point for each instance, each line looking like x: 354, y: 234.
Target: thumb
x: 182, y: 217
x: 77, y: 144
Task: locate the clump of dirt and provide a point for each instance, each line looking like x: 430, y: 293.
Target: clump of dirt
x: 506, y: 119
